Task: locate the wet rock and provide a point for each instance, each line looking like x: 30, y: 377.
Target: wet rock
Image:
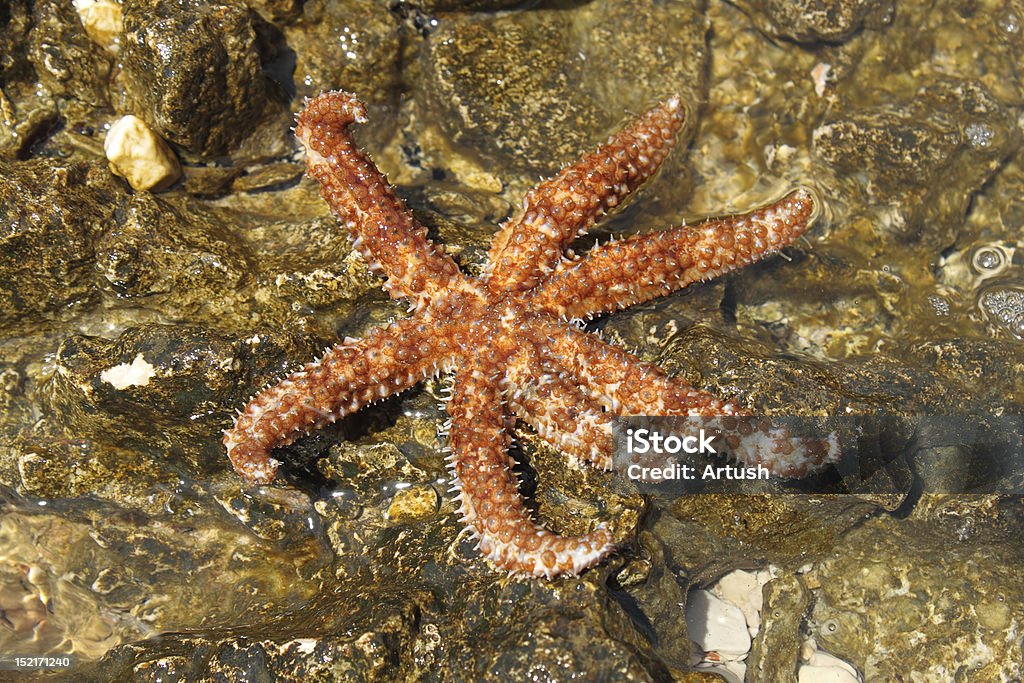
x: 163, y: 386
x: 956, y: 608
x: 195, y: 72
x: 35, y: 591
x: 777, y: 645
x: 14, y: 28
x: 456, y: 5
x: 533, y: 89
x: 952, y: 38
x: 927, y: 155
x: 413, y: 504
x: 178, y: 258
x: 102, y: 21
x: 66, y: 60
x: 51, y: 467
x: 53, y: 214
x: 112, y: 576
x: 278, y: 12
x: 814, y: 20
x: 497, y: 87
x: 352, y: 45
x: 822, y: 667
x: 991, y: 373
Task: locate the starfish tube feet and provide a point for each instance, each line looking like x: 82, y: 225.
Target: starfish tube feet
x: 346, y: 378
x: 562, y: 415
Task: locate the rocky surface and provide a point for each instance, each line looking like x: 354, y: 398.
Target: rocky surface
x: 133, y: 324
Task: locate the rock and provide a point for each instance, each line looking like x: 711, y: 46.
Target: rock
x: 140, y: 156
x: 413, y: 504
x: 775, y: 651
x: 743, y: 589
x: 950, y: 129
x: 456, y: 5
x: 52, y: 215
x: 529, y: 89
x: 716, y: 625
x: 359, y: 50
x: 825, y: 668
x: 497, y: 87
x: 98, y: 588
x: 195, y: 72
x: 161, y: 384
x: 66, y: 60
x: 971, y: 563
x: 176, y: 258
x: 278, y: 12
x: 818, y: 20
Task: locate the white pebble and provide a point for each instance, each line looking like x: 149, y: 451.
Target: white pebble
x: 139, y: 155
x: 716, y: 625
x: 102, y: 22
x: 744, y: 589
x: 826, y: 668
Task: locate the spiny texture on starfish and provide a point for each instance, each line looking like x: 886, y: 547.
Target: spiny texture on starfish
x: 507, y: 333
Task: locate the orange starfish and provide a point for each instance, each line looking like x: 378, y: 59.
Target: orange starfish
x: 507, y: 334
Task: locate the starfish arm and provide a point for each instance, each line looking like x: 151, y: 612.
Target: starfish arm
x: 629, y: 386
x: 346, y: 378
x: 490, y: 501
x: 562, y: 415
x: 382, y: 228
x: 559, y: 210
x: 623, y: 383
x: 627, y: 272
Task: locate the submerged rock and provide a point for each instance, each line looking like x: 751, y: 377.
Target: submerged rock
x: 359, y: 51
x: 532, y: 89
x: 818, y: 20
x: 897, y: 152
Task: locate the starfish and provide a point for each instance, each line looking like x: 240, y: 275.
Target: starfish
x: 509, y: 334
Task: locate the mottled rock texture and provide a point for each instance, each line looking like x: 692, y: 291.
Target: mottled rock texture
x: 131, y: 326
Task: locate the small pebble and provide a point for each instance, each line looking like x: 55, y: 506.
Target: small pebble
x: 102, y: 22
x: 140, y: 156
